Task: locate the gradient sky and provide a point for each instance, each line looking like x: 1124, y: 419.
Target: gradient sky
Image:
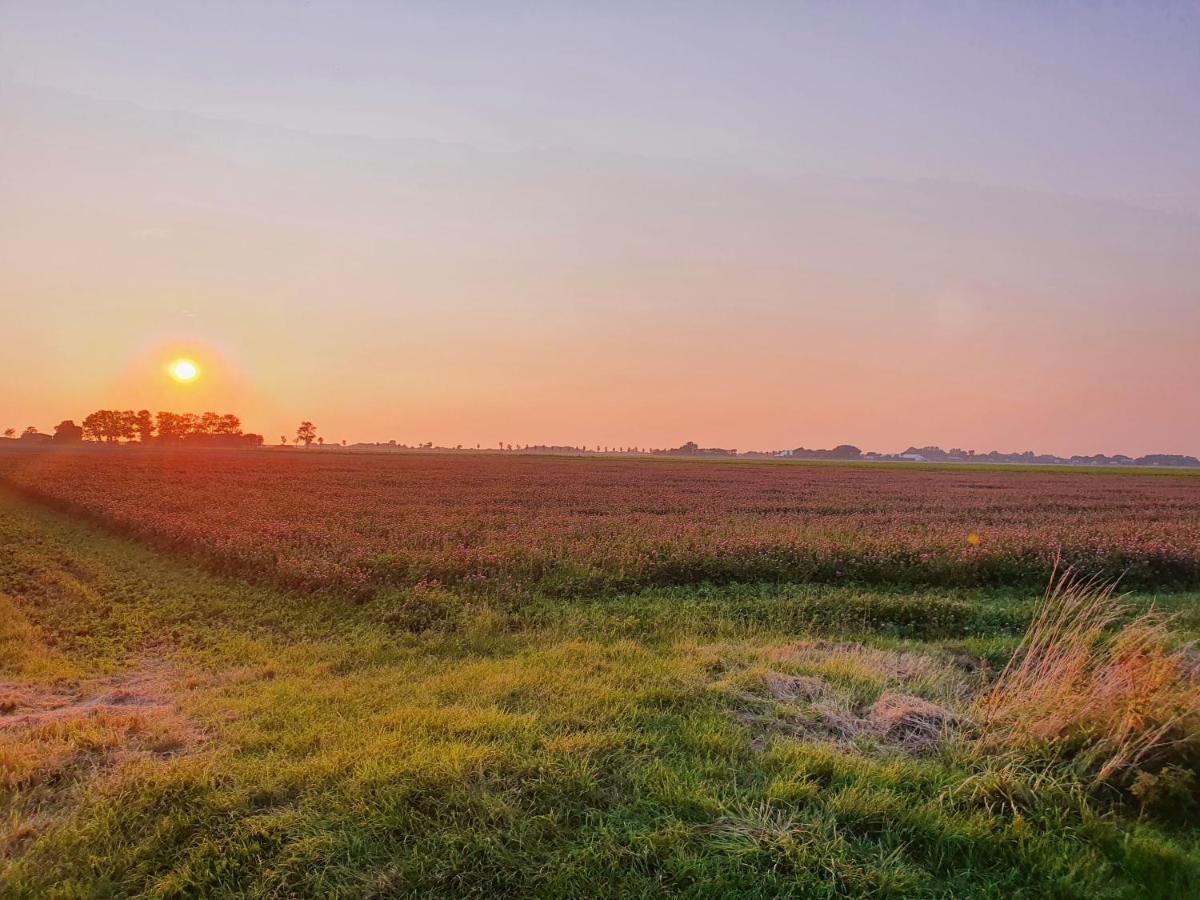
x: 758, y: 225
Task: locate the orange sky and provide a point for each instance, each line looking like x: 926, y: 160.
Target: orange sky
x: 410, y: 288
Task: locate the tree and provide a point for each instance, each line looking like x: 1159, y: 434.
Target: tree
x: 170, y: 426
x: 209, y: 423
x: 10, y: 432
x: 320, y: 442
x: 128, y: 424
x: 144, y: 425
x: 29, y: 429
x: 67, y: 432
x: 110, y: 425
x: 306, y: 433
x: 283, y: 440
x: 96, y: 425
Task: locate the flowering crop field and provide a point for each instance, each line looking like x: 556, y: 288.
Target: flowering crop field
x: 354, y: 522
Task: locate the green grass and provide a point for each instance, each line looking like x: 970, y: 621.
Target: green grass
x: 426, y: 743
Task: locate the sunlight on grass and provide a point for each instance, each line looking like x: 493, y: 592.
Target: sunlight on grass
x: 319, y: 747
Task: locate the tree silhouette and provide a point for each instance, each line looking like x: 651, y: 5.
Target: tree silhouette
x: 170, y: 426
x: 10, y: 432
x: 306, y: 433
x: 29, y: 429
x: 144, y: 425
x: 110, y: 425
x: 209, y: 429
x: 95, y: 424
x: 67, y: 432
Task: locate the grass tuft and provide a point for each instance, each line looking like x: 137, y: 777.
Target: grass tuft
x: 1083, y: 686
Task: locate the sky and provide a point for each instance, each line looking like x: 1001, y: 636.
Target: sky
x: 749, y: 224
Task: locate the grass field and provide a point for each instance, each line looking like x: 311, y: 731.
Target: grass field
x: 186, y: 710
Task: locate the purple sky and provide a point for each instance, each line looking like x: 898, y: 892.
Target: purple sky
x: 752, y: 224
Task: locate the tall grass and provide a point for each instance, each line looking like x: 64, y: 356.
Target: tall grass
x: 1089, y: 684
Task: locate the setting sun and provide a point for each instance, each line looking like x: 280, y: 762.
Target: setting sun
x: 184, y: 370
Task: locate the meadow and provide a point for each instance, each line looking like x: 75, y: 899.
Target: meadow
x: 282, y: 674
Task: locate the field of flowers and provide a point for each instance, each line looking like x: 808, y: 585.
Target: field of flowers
x: 562, y: 525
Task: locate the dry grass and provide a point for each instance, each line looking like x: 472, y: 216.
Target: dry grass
x: 42, y: 753
x: 54, y: 739
x: 875, y: 669
x: 850, y: 695
x: 914, y: 723
x: 1080, y: 685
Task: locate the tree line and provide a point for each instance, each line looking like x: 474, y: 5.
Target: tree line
x: 115, y: 426
x: 111, y: 426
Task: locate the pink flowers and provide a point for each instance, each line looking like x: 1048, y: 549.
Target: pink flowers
x: 569, y: 525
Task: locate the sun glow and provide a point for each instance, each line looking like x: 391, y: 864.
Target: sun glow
x: 184, y: 370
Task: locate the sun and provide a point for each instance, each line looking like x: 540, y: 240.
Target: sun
x: 184, y: 370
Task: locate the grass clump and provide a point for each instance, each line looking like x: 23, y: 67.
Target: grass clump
x: 1089, y: 684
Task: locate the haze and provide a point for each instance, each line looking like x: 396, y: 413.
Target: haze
x: 745, y: 224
